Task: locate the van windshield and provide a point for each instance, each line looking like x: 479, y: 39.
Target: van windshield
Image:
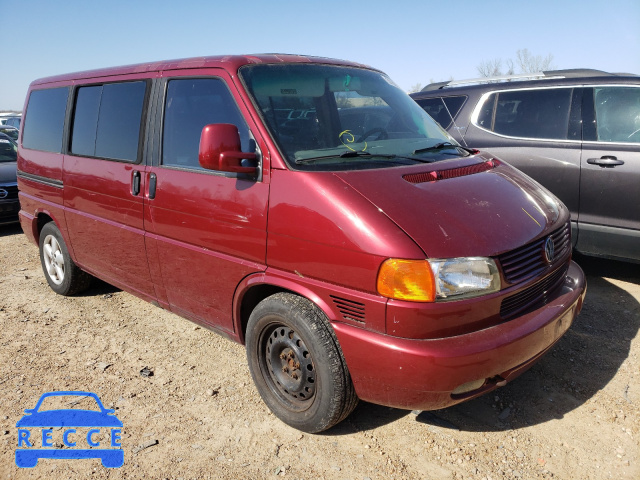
x: 326, y: 117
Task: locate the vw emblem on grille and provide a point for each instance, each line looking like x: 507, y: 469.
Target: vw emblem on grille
x: 3, y: 193
x: 549, y: 250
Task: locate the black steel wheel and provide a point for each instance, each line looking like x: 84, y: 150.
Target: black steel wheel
x: 297, y: 365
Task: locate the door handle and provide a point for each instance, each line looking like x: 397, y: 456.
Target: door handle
x: 153, y: 181
x: 135, y: 183
x: 608, y: 161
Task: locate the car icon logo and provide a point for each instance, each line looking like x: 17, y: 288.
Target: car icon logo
x: 3, y: 193
x: 82, y: 433
x: 549, y: 250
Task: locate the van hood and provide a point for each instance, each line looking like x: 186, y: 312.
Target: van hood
x: 475, y: 206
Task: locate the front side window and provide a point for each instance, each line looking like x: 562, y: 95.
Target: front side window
x: 326, y: 117
x: 107, y: 121
x: 44, y: 119
x: 617, y: 114
x: 192, y: 103
x: 539, y: 114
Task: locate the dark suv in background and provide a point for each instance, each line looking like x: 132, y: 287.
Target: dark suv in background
x: 577, y: 132
x: 9, y: 204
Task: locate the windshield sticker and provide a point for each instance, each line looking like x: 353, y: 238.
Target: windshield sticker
x: 347, y: 81
x: 348, y: 137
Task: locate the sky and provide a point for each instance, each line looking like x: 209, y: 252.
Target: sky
x: 414, y: 42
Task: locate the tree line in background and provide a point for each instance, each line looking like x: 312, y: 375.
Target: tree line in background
x: 525, y: 62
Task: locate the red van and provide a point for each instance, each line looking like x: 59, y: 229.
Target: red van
x: 307, y: 208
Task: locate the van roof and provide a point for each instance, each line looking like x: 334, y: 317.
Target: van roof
x: 229, y: 62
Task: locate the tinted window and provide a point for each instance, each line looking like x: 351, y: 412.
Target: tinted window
x: 14, y: 122
x: 10, y: 132
x: 8, y: 151
x: 120, y: 120
x: 454, y: 104
x: 436, y: 109
x: 442, y: 110
x: 44, y: 120
x: 485, y: 117
x: 533, y: 113
x: 85, y: 121
x: 528, y: 113
x: 107, y: 120
x: 190, y: 105
x: 618, y: 114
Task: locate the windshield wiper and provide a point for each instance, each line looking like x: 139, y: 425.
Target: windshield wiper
x: 347, y: 154
x: 443, y: 146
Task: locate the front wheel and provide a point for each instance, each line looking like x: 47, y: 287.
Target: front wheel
x: 297, y: 365
x: 64, y: 276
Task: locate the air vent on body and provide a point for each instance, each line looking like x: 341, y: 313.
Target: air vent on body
x: 349, y: 309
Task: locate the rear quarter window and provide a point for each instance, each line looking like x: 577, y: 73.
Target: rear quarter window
x: 443, y: 109
x: 44, y: 119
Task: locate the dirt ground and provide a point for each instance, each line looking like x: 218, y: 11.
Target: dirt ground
x: 575, y: 415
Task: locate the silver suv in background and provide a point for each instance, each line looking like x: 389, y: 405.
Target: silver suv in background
x: 577, y: 132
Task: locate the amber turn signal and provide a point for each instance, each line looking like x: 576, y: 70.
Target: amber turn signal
x: 410, y: 280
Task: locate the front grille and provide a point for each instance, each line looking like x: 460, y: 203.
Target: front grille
x: 535, y: 295
x: 12, y: 191
x: 349, y: 309
x: 526, y: 262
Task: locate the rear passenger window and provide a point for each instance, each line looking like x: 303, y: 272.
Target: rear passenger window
x: 44, y: 120
x: 108, y: 120
x: 618, y: 114
x: 540, y: 114
x: 191, y: 104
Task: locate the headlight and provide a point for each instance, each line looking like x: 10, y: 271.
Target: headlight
x: 437, y: 279
x: 464, y: 277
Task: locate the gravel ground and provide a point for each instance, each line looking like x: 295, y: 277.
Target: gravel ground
x: 575, y: 415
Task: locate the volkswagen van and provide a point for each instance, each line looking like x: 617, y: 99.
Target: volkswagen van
x: 356, y: 250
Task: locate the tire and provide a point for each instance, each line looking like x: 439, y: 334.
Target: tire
x: 64, y: 276
x: 297, y: 364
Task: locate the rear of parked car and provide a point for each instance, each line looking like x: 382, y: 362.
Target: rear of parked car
x: 576, y: 132
x: 309, y: 209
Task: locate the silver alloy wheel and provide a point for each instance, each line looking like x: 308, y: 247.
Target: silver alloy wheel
x: 53, y: 259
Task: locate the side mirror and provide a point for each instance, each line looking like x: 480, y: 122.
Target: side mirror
x: 220, y: 149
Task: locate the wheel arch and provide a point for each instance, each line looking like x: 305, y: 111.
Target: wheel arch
x: 255, y: 288
x: 44, y: 216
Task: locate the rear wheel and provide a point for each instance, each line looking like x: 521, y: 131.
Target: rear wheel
x: 297, y: 365
x: 64, y: 276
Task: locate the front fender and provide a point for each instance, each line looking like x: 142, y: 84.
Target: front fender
x: 327, y: 297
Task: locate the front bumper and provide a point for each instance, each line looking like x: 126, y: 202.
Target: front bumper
x: 9, y: 211
x: 423, y: 374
